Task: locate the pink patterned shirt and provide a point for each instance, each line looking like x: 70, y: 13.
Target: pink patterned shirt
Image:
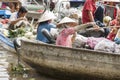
x: 64, y: 38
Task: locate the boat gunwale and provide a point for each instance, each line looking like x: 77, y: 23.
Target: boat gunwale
x: 47, y: 61
x: 36, y: 42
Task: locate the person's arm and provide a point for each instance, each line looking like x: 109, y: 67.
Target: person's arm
x: 91, y: 16
x: 17, y: 20
x: 92, y: 19
x: 83, y: 26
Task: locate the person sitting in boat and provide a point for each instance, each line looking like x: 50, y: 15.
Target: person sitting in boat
x: 111, y: 8
x: 116, y: 25
x: 45, y: 22
x: 92, y: 13
x: 67, y: 31
x: 18, y: 18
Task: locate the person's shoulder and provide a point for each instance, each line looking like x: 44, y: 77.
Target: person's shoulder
x: 52, y: 25
x: 13, y: 16
x: 14, y: 13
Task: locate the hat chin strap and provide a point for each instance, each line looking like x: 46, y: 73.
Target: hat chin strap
x: 62, y: 27
x: 65, y: 25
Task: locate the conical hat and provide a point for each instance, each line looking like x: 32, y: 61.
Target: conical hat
x: 46, y: 16
x: 111, y: 0
x: 67, y: 20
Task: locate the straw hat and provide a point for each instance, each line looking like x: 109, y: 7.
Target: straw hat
x: 67, y: 20
x: 46, y: 16
x: 111, y: 0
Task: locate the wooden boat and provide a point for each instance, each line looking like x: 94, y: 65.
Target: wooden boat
x: 10, y: 0
x: 70, y: 63
x: 6, y: 43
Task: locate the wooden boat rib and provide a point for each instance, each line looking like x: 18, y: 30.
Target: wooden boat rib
x: 70, y: 62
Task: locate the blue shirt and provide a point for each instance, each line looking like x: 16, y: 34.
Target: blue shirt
x: 41, y: 26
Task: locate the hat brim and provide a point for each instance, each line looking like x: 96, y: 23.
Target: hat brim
x: 66, y: 20
x: 72, y: 23
x: 46, y: 16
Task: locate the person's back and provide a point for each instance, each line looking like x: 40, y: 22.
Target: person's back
x: 45, y: 22
x: 44, y: 25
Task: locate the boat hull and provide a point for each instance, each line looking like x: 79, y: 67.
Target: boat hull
x: 71, y: 63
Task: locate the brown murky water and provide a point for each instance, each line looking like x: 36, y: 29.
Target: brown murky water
x: 8, y: 61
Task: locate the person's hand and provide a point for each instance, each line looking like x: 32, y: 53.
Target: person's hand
x: 23, y: 18
x: 92, y: 23
x: 96, y: 27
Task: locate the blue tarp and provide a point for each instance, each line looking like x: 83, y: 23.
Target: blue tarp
x: 6, y: 40
x: 5, y: 13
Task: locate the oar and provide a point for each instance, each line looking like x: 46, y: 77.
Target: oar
x: 17, y: 45
x: 103, y: 28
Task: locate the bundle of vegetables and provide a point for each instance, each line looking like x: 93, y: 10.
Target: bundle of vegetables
x: 23, y: 32
x: 19, y: 32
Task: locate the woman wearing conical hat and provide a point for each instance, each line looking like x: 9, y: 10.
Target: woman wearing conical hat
x: 67, y: 29
x: 45, y: 22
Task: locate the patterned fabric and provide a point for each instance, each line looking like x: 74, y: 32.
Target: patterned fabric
x: 114, y: 22
x: 65, y: 37
x: 92, y: 41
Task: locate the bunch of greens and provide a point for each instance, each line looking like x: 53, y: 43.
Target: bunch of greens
x: 19, y: 32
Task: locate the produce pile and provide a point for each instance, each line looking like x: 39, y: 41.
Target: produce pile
x: 23, y: 32
x: 17, y: 33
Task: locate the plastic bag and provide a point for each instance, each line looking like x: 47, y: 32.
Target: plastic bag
x: 80, y: 41
x: 105, y: 45
x: 92, y: 41
x: 117, y: 49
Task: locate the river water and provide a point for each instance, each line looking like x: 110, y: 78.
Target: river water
x: 9, y: 61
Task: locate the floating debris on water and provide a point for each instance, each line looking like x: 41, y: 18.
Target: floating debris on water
x: 18, y: 69
x: 4, y: 78
x: 4, y: 74
x: 2, y: 69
